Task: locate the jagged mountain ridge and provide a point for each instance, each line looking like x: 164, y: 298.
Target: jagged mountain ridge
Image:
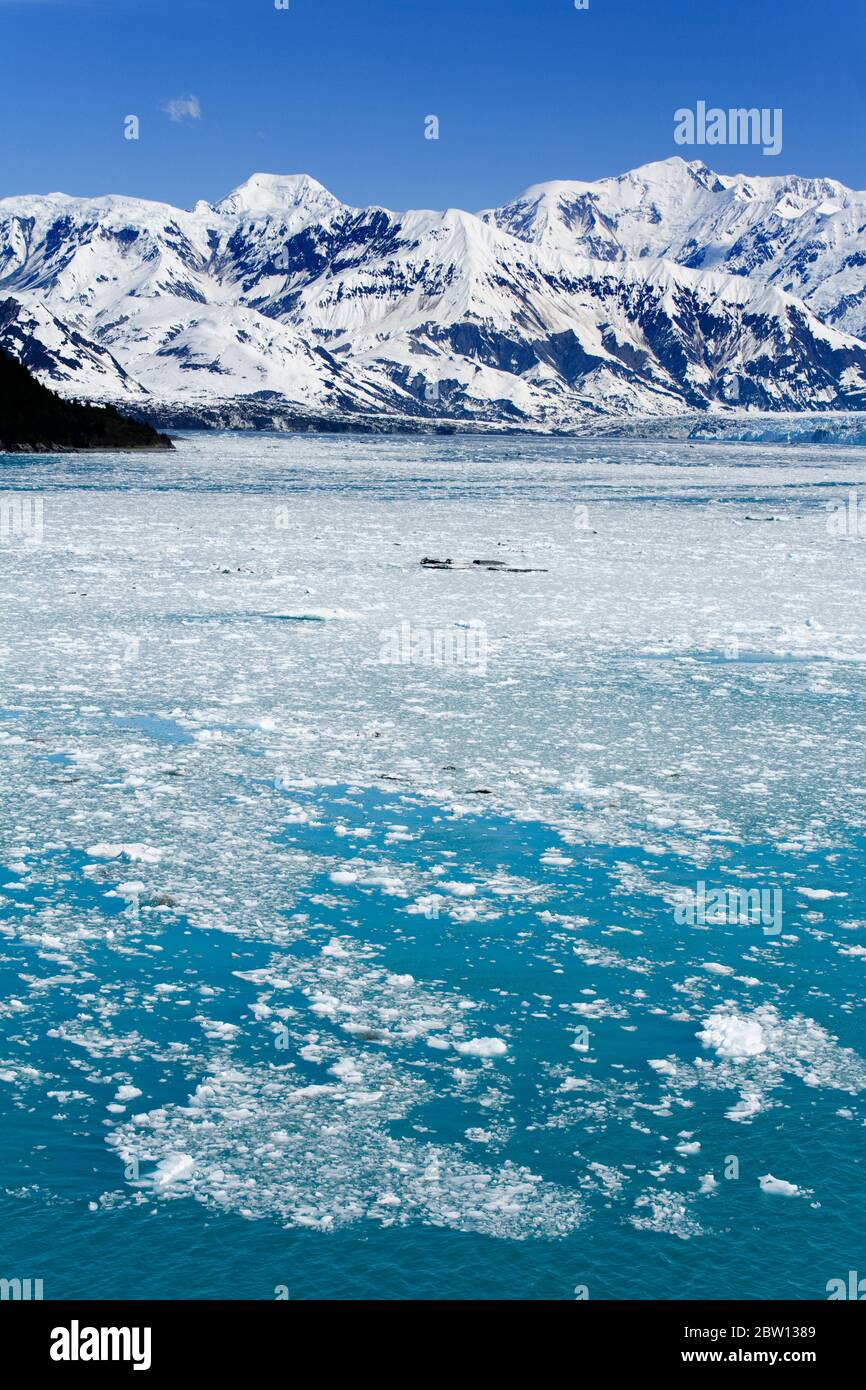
x: 804, y: 236
x: 664, y: 291
x: 62, y: 357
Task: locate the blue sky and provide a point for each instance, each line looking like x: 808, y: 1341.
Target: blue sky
x: 525, y: 90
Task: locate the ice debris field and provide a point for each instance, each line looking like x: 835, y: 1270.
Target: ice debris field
x: 333, y: 973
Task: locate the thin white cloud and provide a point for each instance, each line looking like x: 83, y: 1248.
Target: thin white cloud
x: 183, y: 109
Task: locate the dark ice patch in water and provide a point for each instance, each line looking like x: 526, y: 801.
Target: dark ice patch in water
x: 292, y: 617
x: 744, y: 659
x: 164, y: 730
x: 233, y: 618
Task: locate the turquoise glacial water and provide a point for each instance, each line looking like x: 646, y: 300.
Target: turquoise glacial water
x: 322, y: 978
x: 754, y: 1246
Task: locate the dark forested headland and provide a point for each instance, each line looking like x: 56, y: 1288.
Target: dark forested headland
x: 35, y: 420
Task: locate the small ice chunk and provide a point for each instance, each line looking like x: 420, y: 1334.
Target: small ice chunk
x: 663, y: 1066
x: 136, y: 854
x: 777, y: 1187
x: 733, y: 1036
x: 481, y: 1047
x: 172, y: 1169
x: 460, y: 890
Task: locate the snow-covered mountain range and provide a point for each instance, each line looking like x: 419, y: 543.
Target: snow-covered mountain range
x: 667, y: 290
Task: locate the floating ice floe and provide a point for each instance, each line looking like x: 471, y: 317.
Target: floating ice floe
x: 173, y: 1168
x: 751, y: 1103
x: 755, y: 1052
x: 730, y: 1035
x: 481, y: 1047
x: 125, y: 1093
x: 136, y: 854
x: 314, y: 1158
x: 778, y: 1187
x: 666, y: 1213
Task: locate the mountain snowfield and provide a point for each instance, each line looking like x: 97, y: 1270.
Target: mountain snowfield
x: 666, y: 291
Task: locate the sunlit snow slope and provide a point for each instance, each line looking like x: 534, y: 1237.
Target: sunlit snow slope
x: 668, y: 290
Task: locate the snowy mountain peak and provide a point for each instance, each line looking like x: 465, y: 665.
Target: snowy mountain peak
x: 269, y: 195
x: 667, y: 289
